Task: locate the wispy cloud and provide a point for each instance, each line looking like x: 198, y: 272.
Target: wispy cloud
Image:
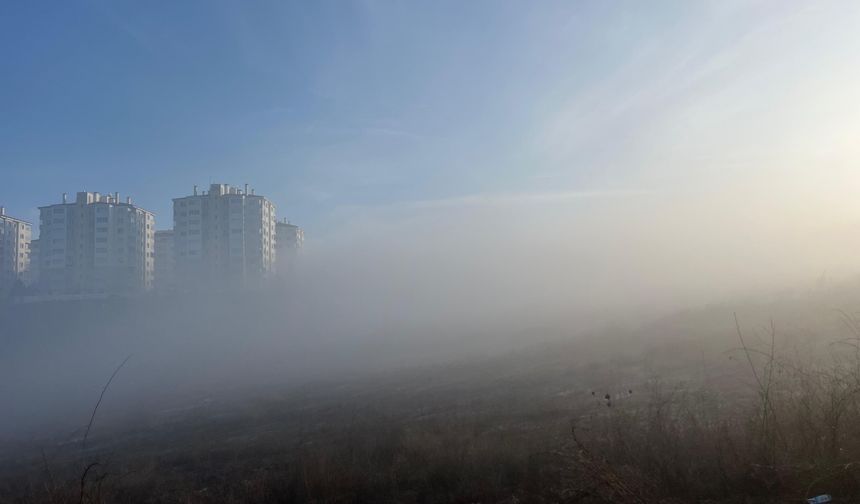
x: 488, y: 199
x: 690, y: 67
x: 494, y: 199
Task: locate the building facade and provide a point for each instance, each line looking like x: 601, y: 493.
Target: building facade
x: 289, y: 241
x: 165, y: 263
x: 223, y: 238
x: 14, y: 251
x: 95, y: 245
x: 32, y: 276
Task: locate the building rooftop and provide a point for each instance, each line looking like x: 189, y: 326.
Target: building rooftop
x: 4, y: 216
x: 221, y: 190
x: 93, y: 198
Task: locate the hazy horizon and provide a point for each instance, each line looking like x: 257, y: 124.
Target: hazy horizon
x: 511, y: 212
x: 570, y: 125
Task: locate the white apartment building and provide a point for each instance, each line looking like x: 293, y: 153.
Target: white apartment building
x: 165, y: 263
x: 223, y: 238
x: 95, y: 245
x: 288, y: 243
x: 14, y: 250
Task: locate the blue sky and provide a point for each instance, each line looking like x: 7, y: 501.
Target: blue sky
x: 330, y: 105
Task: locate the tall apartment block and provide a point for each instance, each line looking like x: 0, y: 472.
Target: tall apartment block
x: 95, y: 245
x: 223, y: 238
x: 165, y: 262
x: 289, y: 241
x: 14, y: 250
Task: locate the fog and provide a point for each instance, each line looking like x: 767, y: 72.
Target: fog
x: 414, y: 284
x: 553, y: 251
x: 624, y: 163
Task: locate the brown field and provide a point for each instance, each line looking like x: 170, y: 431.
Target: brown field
x: 602, y: 419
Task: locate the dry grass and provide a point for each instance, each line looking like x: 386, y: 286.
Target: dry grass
x: 768, y: 423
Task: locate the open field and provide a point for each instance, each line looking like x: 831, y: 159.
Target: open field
x: 600, y: 419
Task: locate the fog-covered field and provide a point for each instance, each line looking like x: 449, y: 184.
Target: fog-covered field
x: 671, y: 409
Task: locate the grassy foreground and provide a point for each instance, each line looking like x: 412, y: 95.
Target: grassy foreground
x: 752, y: 417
